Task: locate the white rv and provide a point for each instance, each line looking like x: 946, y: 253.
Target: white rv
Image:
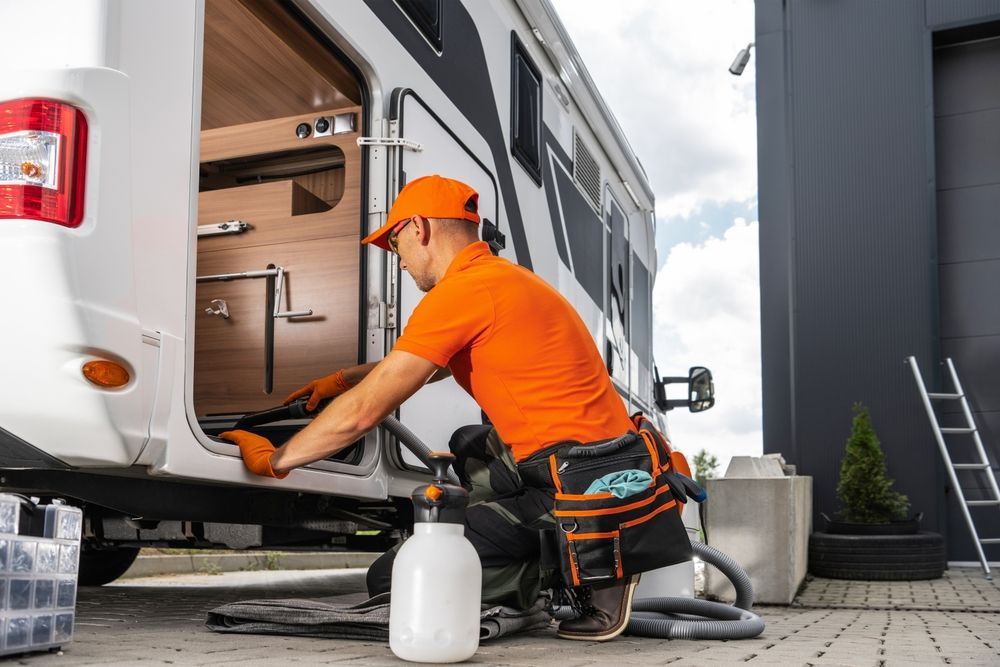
x: 183, y: 188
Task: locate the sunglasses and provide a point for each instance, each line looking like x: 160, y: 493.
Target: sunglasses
x: 393, y: 245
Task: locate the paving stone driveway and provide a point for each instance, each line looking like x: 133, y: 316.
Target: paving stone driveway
x: 955, y: 620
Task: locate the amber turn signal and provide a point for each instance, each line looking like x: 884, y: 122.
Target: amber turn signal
x: 433, y: 493
x: 105, y: 374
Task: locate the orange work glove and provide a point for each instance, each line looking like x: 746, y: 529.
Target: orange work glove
x: 256, y: 451
x: 325, y: 387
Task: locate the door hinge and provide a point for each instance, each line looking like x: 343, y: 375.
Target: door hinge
x: 386, y: 315
x: 386, y: 141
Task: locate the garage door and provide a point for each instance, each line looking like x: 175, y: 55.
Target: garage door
x: 967, y: 134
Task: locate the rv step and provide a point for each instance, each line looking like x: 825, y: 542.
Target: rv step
x: 958, y: 430
x: 945, y: 397
x: 971, y: 466
x: 981, y: 503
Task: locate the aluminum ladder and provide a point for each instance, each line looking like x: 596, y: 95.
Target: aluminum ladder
x: 982, y: 464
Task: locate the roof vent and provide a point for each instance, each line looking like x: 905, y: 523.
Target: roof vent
x: 586, y: 172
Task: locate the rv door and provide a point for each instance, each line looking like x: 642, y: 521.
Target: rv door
x: 435, y: 411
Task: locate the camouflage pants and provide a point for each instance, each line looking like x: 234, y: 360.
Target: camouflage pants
x: 502, y: 522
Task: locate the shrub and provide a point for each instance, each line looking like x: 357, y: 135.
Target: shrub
x: 705, y: 465
x: 864, y: 490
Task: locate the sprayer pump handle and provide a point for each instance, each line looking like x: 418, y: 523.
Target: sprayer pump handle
x: 439, y: 462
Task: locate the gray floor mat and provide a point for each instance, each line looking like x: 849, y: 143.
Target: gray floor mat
x: 367, y: 620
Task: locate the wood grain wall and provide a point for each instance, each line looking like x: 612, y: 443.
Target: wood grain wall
x: 319, y: 250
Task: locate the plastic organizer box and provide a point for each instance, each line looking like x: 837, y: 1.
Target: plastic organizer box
x: 39, y: 561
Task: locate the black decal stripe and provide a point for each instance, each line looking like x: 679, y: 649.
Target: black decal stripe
x: 619, y: 253
x: 641, y: 306
x: 461, y: 72
x: 555, y: 218
x: 583, y: 226
x: 585, y: 236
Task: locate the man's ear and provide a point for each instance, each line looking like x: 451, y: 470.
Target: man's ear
x: 423, y: 229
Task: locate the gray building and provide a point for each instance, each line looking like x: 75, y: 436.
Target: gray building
x: 879, y: 175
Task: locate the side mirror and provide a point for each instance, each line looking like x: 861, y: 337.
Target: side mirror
x: 701, y: 390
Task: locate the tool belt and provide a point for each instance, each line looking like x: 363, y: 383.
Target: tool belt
x: 601, y: 537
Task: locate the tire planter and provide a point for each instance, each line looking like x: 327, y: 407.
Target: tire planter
x: 918, y: 555
x: 907, y: 527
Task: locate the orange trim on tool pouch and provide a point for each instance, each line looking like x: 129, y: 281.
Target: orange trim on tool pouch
x: 615, y: 510
x: 576, y: 537
x: 601, y: 495
x: 572, y: 566
x: 651, y: 446
x: 662, y: 508
x: 555, y: 473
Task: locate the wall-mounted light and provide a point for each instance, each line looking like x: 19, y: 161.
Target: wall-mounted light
x: 740, y: 63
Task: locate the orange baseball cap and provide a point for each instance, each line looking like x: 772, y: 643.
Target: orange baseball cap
x: 432, y: 197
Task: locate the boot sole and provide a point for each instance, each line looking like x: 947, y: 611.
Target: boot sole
x: 611, y: 634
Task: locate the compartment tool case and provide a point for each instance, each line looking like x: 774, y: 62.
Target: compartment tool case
x: 39, y: 561
x: 601, y: 537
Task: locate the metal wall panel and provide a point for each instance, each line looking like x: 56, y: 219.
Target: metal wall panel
x: 968, y: 147
x: 774, y: 178
x: 852, y: 187
x: 973, y: 229
x: 966, y: 79
x: 969, y: 300
x: 977, y: 360
x: 941, y: 13
x: 967, y: 123
x: 863, y: 238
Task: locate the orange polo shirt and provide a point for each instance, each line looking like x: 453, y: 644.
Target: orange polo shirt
x: 519, y: 349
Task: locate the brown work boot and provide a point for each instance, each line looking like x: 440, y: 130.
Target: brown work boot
x: 604, y: 610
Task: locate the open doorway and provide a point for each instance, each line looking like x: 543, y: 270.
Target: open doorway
x: 279, y: 215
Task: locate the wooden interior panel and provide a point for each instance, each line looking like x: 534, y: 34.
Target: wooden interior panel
x: 292, y: 32
x: 272, y: 136
x: 268, y: 208
x: 229, y: 354
x: 263, y: 76
x: 328, y: 186
x: 253, y: 73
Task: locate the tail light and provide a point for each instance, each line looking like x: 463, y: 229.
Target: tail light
x: 43, y: 158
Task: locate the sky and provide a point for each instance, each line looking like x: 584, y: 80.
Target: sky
x: 662, y: 67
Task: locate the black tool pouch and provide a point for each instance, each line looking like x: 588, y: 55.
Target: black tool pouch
x: 601, y: 537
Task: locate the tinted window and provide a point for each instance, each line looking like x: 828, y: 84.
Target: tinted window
x: 426, y: 14
x: 526, y: 110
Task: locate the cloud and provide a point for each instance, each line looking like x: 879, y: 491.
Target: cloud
x: 662, y: 67
x: 706, y: 305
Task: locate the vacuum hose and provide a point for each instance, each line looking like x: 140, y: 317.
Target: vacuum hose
x: 409, y: 439
x: 665, y: 618
x: 655, y: 617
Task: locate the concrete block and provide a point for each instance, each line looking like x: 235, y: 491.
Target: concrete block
x: 764, y: 524
x: 755, y: 466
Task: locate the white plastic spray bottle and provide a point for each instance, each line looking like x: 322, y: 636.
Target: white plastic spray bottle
x: 436, y: 577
